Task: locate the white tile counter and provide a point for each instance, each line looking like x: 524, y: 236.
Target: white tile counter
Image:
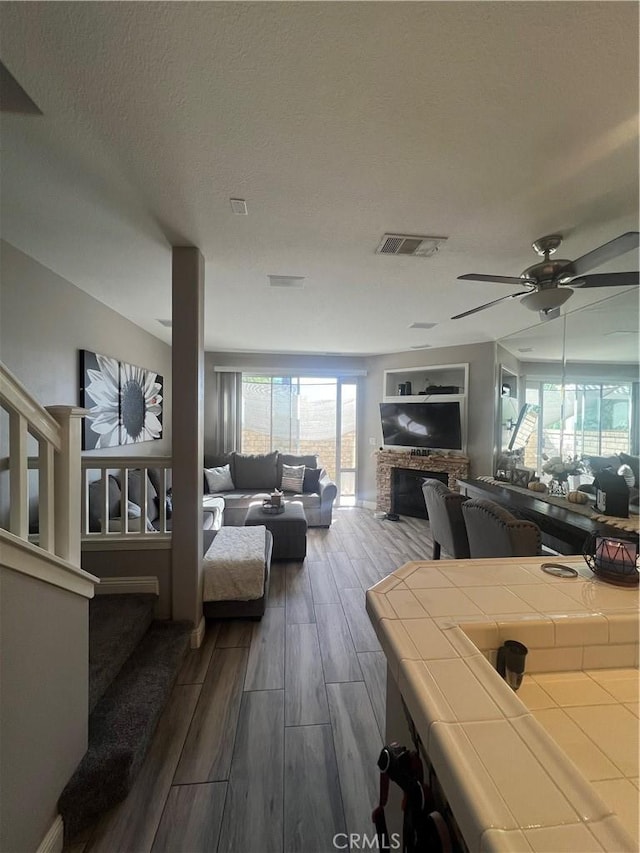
x: 593, y: 717
x: 509, y: 784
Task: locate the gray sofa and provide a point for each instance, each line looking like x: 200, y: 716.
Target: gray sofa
x: 256, y: 476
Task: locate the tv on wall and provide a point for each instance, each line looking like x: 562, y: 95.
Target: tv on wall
x: 436, y: 426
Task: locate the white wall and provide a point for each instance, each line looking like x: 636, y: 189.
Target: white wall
x: 45, y: 320
x: 44, y: 688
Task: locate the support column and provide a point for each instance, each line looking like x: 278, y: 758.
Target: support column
x: 187, y: 365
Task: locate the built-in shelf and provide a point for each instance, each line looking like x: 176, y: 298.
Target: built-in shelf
x: 421, y: 378
x: 456, y: 375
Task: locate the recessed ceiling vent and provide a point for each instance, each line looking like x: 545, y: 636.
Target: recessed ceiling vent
x: 286, y: 281
x: 407, y: 244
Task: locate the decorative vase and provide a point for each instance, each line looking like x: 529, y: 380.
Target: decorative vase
x: 558, y: 487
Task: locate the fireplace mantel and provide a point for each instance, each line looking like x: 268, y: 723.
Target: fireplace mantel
x: 455, y: 467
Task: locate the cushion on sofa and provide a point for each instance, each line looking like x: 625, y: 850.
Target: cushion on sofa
x: 292, y: 478
x: 219, y: 459
x: 311, y: 482
x: 255, y: 471
x: 135, y: 493
x: 597, y: 463
x: 96, y: 502
x: 634, y: 463
x: 168, y: 501
x: 291, y: 459
x: 160, y: 483
x: 219, y: 479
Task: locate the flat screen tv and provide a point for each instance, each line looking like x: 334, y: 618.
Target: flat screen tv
x: 436, y: 426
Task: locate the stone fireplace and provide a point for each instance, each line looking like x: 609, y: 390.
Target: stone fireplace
x: 453, y: 467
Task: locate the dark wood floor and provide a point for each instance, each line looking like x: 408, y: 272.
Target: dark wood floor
x: 270, y: 739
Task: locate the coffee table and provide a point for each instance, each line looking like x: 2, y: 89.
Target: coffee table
x: 289, y: 529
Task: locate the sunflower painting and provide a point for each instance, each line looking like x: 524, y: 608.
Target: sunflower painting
x: 124, y: 402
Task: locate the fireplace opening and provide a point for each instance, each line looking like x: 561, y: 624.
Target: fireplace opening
x: 406, y: 490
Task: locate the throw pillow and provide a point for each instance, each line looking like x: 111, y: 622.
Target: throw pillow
x: 96, y: 502
x: 219, y: 479
x: 311, y: 481
x: 292, y: 478
x: 168, y: 503
x: 135, y: 493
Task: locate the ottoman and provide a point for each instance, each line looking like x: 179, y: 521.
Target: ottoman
x: 289, y: 529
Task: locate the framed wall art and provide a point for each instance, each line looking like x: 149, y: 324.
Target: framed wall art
x: 124, y: 402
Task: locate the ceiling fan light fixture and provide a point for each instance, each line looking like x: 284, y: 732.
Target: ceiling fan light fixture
x: 546, y: 299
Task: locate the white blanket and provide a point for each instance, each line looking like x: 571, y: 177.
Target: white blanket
x: 233, y: 567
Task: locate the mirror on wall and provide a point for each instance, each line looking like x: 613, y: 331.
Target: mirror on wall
x: 581, y: 374
x: 508, y: 408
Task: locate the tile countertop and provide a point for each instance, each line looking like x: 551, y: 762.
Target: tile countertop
x: 509, y: 784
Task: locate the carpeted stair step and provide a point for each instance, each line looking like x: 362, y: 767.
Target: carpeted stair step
x: 117, y: 623
x: 122, y: 725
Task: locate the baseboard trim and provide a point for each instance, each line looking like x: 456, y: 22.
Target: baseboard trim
x: 197, y: 635
x: 148, y: 585
x: 53, y: 840
x: 369, y: 505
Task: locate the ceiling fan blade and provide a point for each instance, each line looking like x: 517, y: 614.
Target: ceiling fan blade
x: 607, y: 279
x: 624, y: 243
x: 500, y: 279
x: 489, y: 304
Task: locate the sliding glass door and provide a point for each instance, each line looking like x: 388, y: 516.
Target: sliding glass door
x: 304, y: 415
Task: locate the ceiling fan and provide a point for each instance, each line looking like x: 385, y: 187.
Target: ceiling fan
x: 549, y: 282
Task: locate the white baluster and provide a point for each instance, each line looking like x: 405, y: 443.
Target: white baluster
x: 18, y: 475
x: 46, y: 500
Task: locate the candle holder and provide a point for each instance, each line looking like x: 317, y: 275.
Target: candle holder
x: 613, y: 559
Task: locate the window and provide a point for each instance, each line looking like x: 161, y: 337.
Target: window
x: 581, y: 418
x: 303, y: 415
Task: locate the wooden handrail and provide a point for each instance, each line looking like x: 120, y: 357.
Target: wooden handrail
x: 14, y: 397
x: 57, y: 431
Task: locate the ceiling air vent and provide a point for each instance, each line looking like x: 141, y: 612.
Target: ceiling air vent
x: 421, y: 325
x: 286, y: 281
x: 239, y: 206
x: 408, y: 244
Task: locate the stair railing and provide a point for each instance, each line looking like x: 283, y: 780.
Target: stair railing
x: 96, y: 473
x: 57, y: 431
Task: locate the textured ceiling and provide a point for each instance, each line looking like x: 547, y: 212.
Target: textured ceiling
x: 490, y: 123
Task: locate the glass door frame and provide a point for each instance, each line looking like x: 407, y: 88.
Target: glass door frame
x: 340, y: 469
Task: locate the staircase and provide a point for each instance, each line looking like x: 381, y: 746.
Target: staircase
x: 133, y: 663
